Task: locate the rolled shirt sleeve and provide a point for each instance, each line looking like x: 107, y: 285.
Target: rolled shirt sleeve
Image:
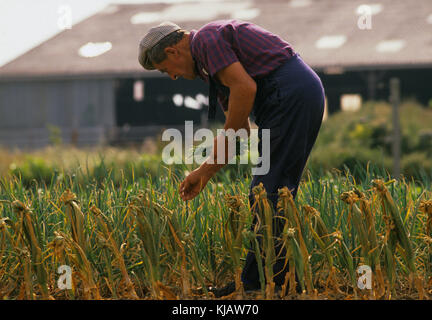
x: 218, y: 52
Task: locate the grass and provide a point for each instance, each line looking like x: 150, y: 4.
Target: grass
x: 132, y: 236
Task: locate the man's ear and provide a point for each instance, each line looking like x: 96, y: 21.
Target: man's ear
x: 171, y: 50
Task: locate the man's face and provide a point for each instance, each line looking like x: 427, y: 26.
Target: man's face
x: 177, y: 65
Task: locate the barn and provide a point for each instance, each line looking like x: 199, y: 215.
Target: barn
x: 87, y: 82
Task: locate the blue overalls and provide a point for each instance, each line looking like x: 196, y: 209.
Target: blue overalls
x: 290, y: 102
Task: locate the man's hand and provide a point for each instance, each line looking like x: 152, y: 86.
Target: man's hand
x: 242, y: 95
x: 193, y: 184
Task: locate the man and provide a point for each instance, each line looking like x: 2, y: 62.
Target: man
x: 249, y: 69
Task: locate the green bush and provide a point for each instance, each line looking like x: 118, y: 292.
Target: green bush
x: 33, y: 168
x: 417, y: 165
x: 348, y: 139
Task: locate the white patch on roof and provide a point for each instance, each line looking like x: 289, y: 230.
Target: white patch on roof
x: 390, y: 46
x: 94, y: 49
x: 201, y: 11
x: 429, y: 19
x: 246, y: 14
x: 330, y: 42
x: 371, y: 9
x: 300, y: 3
x: 110, y: 9
x: 146, y: 17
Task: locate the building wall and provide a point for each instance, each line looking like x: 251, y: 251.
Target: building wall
x: 375, y: 85
x: 159, y: 105
x: 83, y: 110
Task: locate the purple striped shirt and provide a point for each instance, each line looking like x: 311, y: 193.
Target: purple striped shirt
x: 220, y: 43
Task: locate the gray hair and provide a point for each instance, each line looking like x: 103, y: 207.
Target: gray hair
x: 157, y: 54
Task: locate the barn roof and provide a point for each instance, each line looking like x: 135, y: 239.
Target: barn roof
x: 328, y: 34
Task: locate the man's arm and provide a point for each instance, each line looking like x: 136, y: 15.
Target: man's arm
x: 242, y: 95
x: 246, y: 125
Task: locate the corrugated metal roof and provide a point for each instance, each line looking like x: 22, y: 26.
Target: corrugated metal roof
x: 400, y: 34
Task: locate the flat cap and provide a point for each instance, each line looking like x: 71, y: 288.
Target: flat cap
x: 153, y: 36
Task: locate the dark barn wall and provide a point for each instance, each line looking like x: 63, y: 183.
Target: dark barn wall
x: 87, y: 111
x: 83, y: 110
x: 335, y: 85
x: 157, y: 107
x: 414, y: 84
x: 374, y: 85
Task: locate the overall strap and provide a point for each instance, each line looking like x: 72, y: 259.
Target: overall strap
x: 212, y: 99
x: 214, y: 89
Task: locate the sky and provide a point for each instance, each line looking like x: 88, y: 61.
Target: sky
x: 25, y: 24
